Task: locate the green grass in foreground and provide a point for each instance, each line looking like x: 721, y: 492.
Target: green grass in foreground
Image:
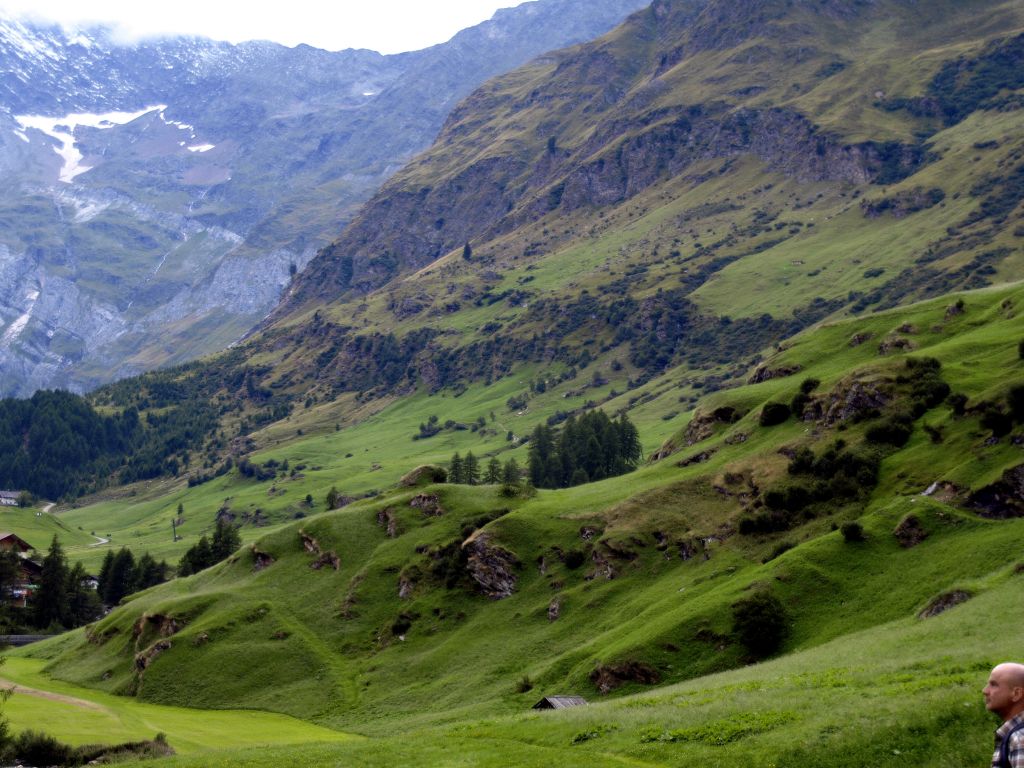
x: 83, y: 716
x: 906, y: 693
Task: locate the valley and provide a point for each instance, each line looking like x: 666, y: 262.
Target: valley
x: 784, y: 240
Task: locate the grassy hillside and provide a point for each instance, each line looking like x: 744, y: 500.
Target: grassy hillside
x: 904, y: 693
x: 784, y: 238
x: 403, y: 634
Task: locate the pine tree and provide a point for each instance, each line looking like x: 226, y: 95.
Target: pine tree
x: 121, y: 580
x: 332, y: 498
x: 493, y: 476
x: 510, y: 474
x: 83, y: 603
x: 104, y: 577
x: 541, y: 450
x: 225, y: 540
x: 51, y: 599
x: 456, y: 470
x: 471, y: 469
x: 149, y: 573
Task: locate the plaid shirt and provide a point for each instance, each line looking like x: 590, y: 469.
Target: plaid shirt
x: 1016, y: 751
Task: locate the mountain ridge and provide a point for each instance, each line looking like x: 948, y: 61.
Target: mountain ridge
x: 329, y: 127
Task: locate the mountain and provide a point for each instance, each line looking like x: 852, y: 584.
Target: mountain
x: 162, y: 193
x: 783, y: 238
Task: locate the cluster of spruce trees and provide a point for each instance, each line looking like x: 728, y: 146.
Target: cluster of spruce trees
x: 63, y: 598
x: 122, y: 574
x: 466, y: 471
x: 55, y: 444
x: 205, y: 552
x: 589, y: 448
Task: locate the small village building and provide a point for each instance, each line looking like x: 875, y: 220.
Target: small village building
x: 22, y: 591
x: 12, y: 542
x: 560, y: 702
x: 9, y: 498
x: 30, y: 570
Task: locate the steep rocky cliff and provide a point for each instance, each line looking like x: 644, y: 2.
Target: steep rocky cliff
x: 598, y: 124
x: 160, y: 196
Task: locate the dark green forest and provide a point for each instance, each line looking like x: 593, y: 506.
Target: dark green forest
x: 591, y: 447
x: 55, y: 444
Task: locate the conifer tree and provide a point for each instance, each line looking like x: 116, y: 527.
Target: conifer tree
x: 83, y: 603
x: 471, y: 469
x: 332, y: 498
x: 493, y: 476
x: 456, y: 470
x: 121, y: 579
x: 104, y: 575
x: 51, y: 599
x: 541, y: 450
x: 510, y: 474
x: 225, y: 540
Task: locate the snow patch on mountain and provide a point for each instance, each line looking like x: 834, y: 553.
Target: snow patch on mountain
x: 63, y: 130
x: 19, y: 324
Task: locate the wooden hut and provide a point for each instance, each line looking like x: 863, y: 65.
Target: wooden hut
x: 560, y: 702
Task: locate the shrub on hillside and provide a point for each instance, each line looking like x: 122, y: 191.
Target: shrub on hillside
x: 852, y: 532
x: 800, y: 400
x: 995, y: 419
x: 892, y: 430
x: 574, y: 558
x: 958, y: 403
x: 1015, y: 401
x: 761, y: 624
x: 774, y: 413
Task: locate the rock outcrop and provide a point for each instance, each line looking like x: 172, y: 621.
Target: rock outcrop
x: 491, y: 567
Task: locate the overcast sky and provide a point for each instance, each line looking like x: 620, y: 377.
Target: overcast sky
x: 388, y: 26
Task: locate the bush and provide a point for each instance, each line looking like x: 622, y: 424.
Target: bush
x: 524, y: 685
x: 958, y: 403
x: 852, y: 532
x: 894, y: 430
x: 1015, y: 400
x: 761, y: 624
x: 774, y: 413
x: 997, y: 421
x: 36, y: 748
x: 574, y: 558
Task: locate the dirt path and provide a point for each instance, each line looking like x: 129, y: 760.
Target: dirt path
x: 15, y: 688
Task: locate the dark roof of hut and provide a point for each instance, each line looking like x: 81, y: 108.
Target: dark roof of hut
x: 560, y: 702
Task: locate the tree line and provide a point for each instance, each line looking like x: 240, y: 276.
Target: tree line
x: 207, y: 552
x: 122, y: 574
x: 55, y: 444
x: 591, y: 447
x: 466, y: 470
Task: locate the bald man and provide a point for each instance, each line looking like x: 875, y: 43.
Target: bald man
x: 1004, y: 695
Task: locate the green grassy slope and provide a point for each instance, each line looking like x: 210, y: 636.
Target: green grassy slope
x: 342, y: 647
x: 699, y: 215
x: 905, y: 692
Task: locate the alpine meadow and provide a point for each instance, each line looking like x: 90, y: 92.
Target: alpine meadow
x: 677, y: 388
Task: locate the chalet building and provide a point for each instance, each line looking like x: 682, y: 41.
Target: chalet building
x: 12, y: 542
x: 560, y: 702
x: 9, y: 498
x: 30, y: 569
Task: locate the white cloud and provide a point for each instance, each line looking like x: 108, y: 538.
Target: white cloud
x: 388, y: 26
